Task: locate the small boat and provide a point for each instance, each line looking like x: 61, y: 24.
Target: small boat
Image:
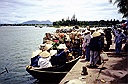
x: 52, y: 74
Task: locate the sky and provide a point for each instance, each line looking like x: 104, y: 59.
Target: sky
x: 18, y: 11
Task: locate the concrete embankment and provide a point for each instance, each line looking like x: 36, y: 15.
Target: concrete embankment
x: 114, y: 71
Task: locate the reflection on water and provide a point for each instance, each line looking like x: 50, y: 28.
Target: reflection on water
x: 16, y: 46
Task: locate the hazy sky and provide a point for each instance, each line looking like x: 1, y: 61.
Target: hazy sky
x: 18, y: 11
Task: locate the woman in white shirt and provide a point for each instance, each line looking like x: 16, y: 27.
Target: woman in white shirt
x: 44, y: 61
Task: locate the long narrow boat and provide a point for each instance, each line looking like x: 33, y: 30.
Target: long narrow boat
x: 52, y: 74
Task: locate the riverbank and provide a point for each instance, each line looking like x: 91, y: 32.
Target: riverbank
x: 114, y: 71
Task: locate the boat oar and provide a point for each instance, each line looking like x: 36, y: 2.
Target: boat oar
x: 6, y: 70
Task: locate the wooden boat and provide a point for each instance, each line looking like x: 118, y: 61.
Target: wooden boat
x: 52, y: 74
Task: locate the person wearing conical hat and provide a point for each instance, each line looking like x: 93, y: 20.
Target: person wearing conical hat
x: 67, y: 38
x: 95, y: 48
x: 96, y: 34
x: 88, y: 28
x: 41, y: 59
x: 41, y: 47
x: 47, y: 37
x: 62, y: 46
x: 35, y: 57
x: 48, y: 47
x: 54, y: 58
x: 44, y: 60
x: 61, y: 56
x: 67, y: 41
x: 75, y: 45
x: 53, y: 52
x: 49, y: 41
x: 45, y: 47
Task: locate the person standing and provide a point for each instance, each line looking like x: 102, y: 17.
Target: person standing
x: 108, y: 37
x: 102, y: 45
x: 119, y: 36
x: 35, y: 58
x: 95, y: 48
x: 60, y: 57
x: 85, y: 45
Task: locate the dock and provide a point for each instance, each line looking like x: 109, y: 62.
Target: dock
x: 113, y: 71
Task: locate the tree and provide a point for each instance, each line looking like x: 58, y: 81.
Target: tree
x: 123, y: 7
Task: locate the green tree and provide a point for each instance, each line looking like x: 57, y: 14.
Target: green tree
x: 123, y: 7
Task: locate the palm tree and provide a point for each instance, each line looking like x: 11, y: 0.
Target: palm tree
x: 123, y: 7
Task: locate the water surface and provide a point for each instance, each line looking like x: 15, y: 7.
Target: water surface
x: 16, y: 46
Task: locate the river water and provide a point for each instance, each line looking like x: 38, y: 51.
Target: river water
x: 16, y: 46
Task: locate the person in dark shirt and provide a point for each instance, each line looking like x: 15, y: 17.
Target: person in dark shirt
x: 61, y: 57
x: 95, y: 48
x: 35, y: 58
x: 108, y: 37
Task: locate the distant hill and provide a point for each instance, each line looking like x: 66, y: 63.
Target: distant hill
x: 37, y: 22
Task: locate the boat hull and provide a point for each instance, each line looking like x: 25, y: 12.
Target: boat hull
x: 47, y: 76
x: 52, y: 74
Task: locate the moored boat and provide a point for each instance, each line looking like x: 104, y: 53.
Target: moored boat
x: 68, y: 49
x: 52, y: 74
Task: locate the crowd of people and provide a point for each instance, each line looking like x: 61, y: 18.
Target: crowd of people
x: 66, y: 44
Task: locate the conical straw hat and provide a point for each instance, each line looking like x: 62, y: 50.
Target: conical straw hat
x: 45, y: 54
x: 53, y: 52
x: 48, y: 46
x: 49, y: 42
x: 96, y: 33
x: 35, y: 53
x: 62, y: 46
